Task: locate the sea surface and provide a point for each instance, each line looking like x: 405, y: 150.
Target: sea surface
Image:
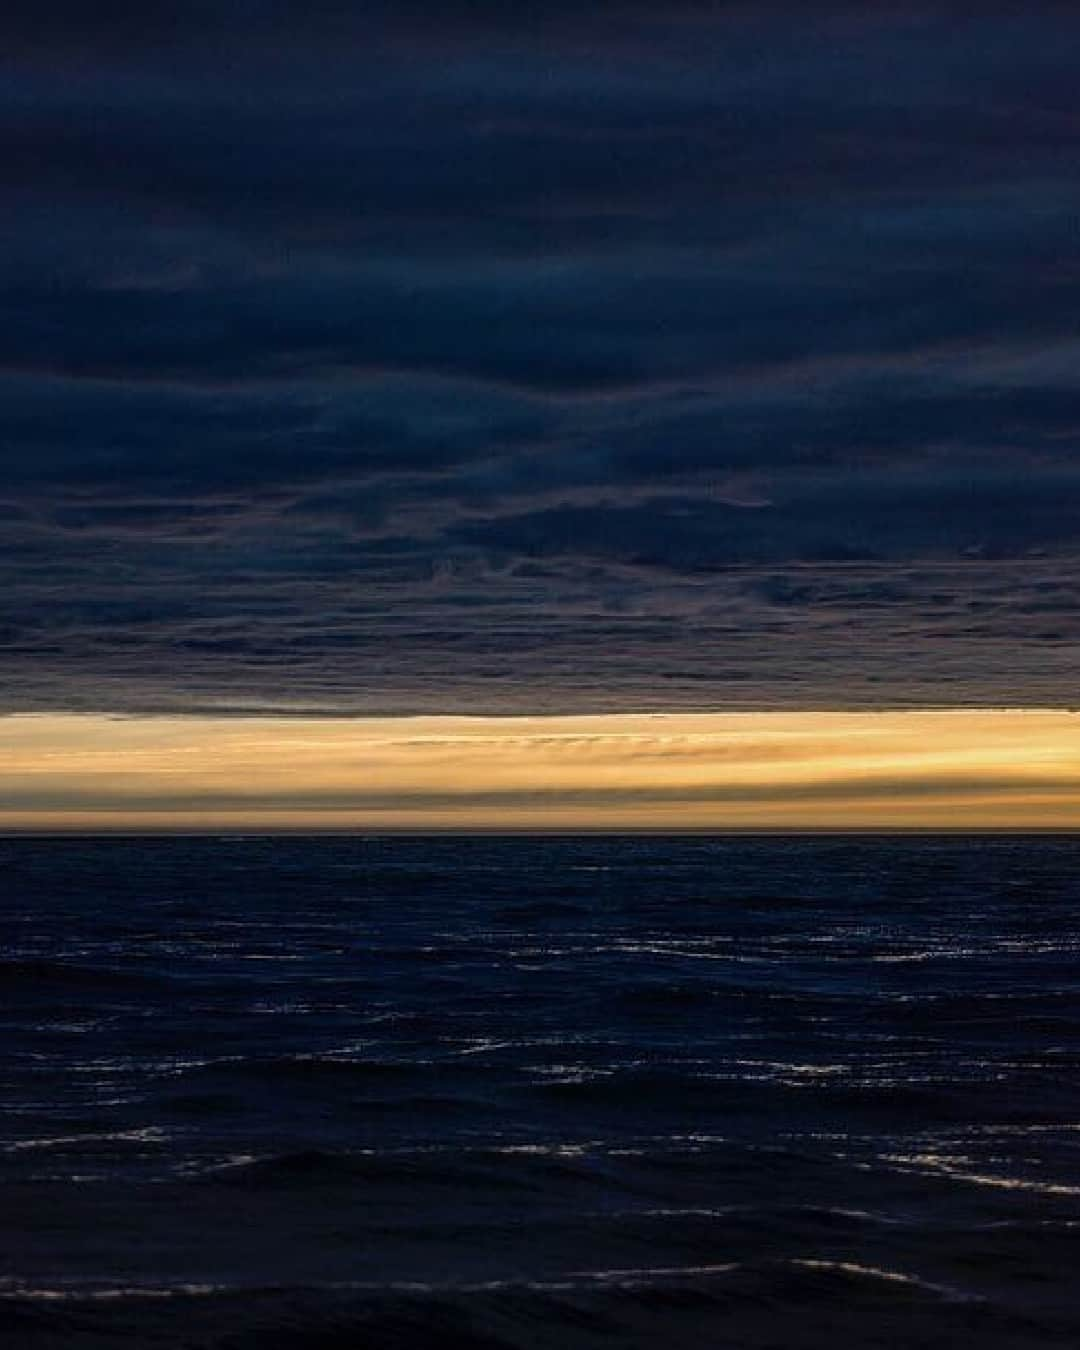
x: 267, y: 1093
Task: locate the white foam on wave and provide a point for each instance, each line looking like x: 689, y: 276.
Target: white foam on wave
x: 14, y: 1287
x: 934, y: 1164
x: 151, y: 1134
x: 943, y: 1291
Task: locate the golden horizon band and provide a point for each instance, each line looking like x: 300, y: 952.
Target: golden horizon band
x: 947, y: 769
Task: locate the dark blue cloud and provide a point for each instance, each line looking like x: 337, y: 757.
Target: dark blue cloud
x: 425, y: 355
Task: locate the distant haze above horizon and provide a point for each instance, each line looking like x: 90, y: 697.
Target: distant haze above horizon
x: 943, y: 770
x: 462, y: 357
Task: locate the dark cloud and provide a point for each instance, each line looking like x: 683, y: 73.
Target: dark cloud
x: 425, y: 355
x: 847, y: 792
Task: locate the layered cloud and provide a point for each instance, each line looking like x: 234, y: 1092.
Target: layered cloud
x: 415, y: 358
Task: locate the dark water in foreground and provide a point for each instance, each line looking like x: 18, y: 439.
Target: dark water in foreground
x: 334, y: 1092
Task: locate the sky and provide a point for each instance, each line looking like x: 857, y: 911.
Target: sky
x: 457, y: 358
x: 935, y: 771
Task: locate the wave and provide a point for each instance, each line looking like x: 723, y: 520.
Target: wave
x: 493, y: 1169
x: 649, y: 997
x: 309, y: 1069
x: 42, y: 975
x: 539, y: 911
x: 802, y: 1304
x: 675, y: 1091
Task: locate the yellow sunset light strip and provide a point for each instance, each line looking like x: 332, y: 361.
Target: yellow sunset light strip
x: 1008, y: 769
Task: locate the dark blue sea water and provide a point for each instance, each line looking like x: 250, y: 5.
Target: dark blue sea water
x: 492, y: 1092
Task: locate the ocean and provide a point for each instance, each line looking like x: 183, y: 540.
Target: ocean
x: 260, y: 1093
